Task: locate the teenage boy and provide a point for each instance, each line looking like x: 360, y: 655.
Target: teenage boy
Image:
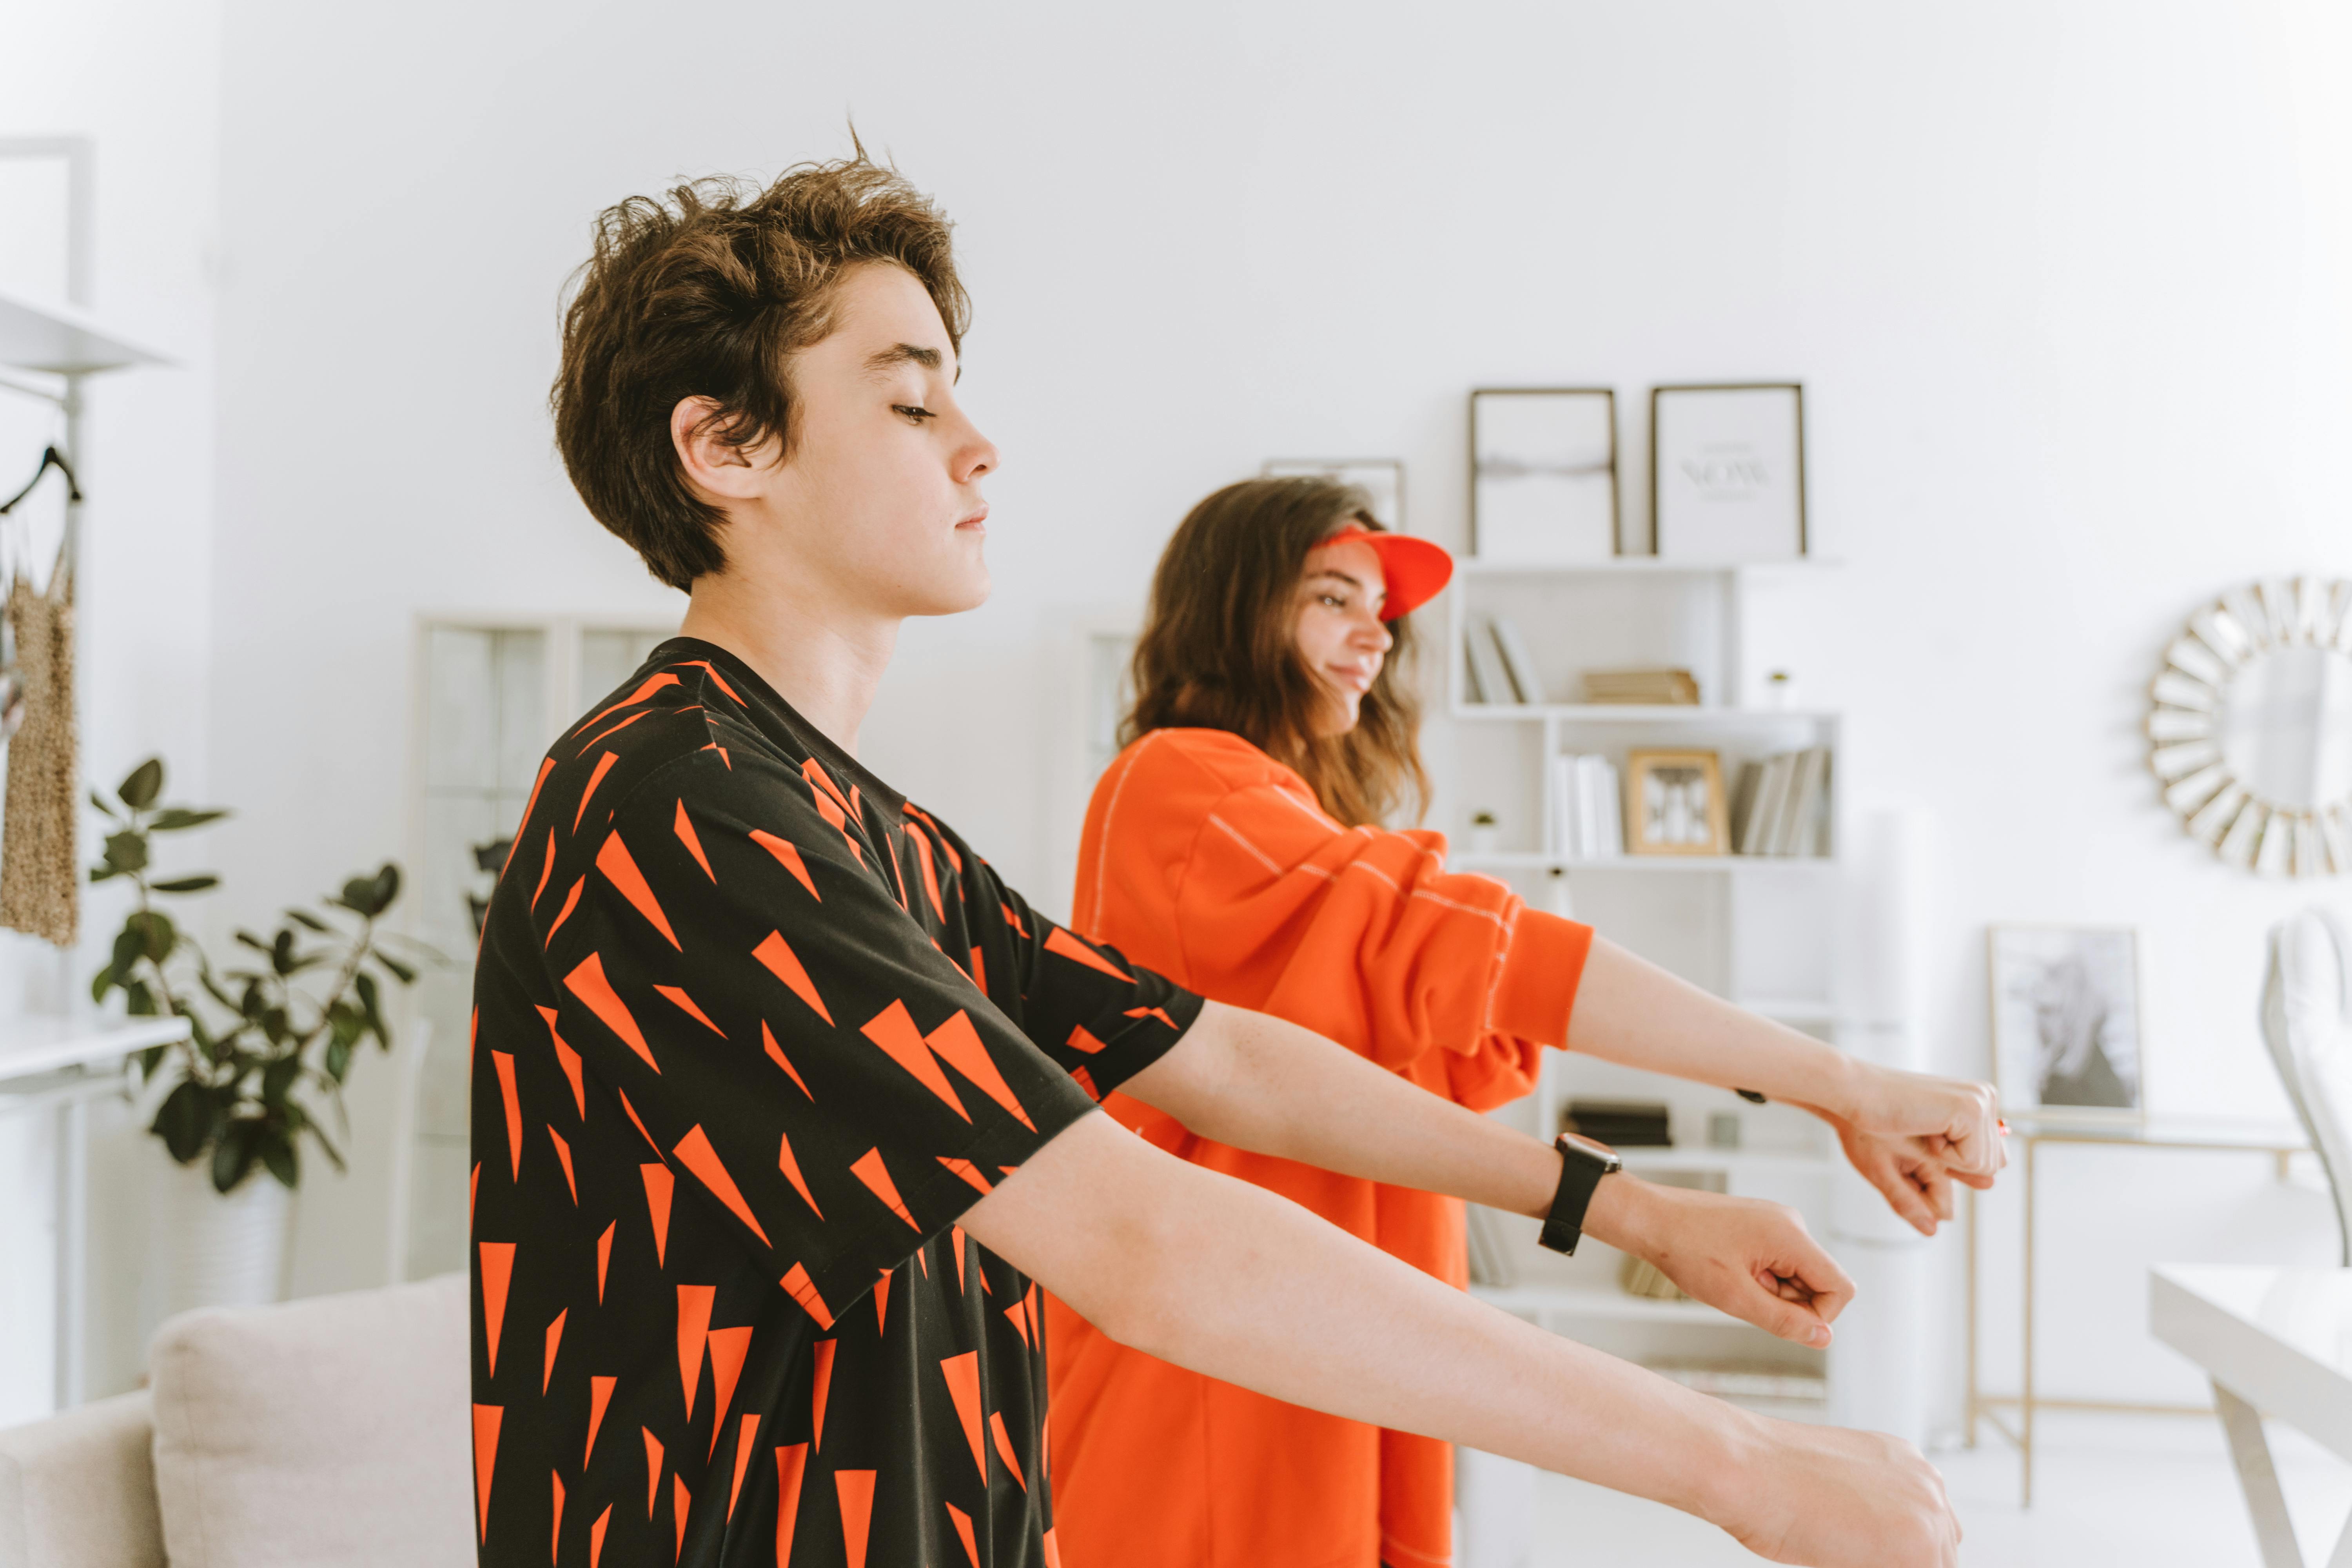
x: 783, y: 1100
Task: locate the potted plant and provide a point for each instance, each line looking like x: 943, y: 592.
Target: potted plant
x: 267, y: 1046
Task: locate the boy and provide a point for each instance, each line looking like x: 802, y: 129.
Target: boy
x: 781, y: 1099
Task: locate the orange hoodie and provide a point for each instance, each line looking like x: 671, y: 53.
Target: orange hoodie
x: 1209, y: 861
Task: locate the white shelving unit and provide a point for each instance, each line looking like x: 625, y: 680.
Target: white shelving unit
x: 59, y: 1056
x: 1755, y: 928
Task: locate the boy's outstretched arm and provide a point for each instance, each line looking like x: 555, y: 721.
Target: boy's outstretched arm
x: 1228, y: 1280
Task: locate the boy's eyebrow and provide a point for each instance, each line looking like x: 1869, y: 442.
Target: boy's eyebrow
x: 882, y: 360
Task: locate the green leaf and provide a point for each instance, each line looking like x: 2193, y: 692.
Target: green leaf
x: 102, y: 983
x: 275, y: 1026
x: 308, y: 921
x: 142, y: 1000
x: 281, y: 952
x: 160, y: 936
x: 372, y: 1004
x: 278, y: 1155
x: 232, y: 1155
x: 277, y: 1077
x: 327, y: 1143
x: 387, y: 887
x: 99, y: 801
x: 196, y: 884
x: 187, y: 1120
x: 406, y: 975
x: 149, y: 1060
x: 251, y: 940
x: 103, y: 873
x: 338, y: 1058
x: 129, y: 946
x: 145, y: 783
x: 126, y: 851
x: 176, y: 819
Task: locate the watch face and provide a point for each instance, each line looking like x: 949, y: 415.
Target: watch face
x: 1599, y: 1153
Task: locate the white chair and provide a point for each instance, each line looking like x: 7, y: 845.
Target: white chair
x: 2307, y: 1022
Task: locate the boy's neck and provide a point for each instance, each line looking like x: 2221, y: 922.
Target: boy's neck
x: 824, y: 659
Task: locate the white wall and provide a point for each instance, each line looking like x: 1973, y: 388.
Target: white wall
x: 2065, y: 283
x: 142, y: 80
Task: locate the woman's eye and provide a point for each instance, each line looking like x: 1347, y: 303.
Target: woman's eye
x: 913, y: 412
x: 1334, y: 602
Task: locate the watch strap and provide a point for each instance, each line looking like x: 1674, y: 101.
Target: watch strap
x: 1580, y: 1171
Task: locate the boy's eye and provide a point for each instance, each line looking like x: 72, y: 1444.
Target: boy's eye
x: 913, y: 411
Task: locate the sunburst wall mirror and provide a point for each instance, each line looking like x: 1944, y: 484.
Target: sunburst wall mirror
x: 2251, y: 729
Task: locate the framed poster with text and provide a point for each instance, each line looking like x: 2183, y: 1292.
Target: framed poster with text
x: 1727, y: 471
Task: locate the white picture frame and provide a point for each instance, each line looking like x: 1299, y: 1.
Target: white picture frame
x: 1543, y: 475
x: 2067, y: 1041
x: 1381, y: 479
x: 1727, y: 471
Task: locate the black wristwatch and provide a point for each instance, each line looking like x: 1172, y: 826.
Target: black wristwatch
x: 1582, y: 1163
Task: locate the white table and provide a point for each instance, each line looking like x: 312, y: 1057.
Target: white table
x: 2275, y: 1341
x: 61, y: 1064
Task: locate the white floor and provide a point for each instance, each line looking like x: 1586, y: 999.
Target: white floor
x: 2147, y: 1492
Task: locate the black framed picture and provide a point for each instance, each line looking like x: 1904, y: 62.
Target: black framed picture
x: 1543, y: 474
x: 1727, y: 471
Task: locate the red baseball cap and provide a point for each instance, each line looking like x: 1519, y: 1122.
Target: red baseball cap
x: 1416, y: 569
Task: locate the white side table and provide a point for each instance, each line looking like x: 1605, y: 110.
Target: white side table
x: 60, y: 1065
x: 2274, y: 1339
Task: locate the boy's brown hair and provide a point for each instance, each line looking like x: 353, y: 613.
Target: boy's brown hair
x: 1220, y: 649
x: 709, y: 292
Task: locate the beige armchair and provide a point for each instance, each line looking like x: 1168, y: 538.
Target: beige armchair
x: 331, y: 1430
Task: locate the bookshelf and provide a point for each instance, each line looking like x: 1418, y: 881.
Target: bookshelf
x: 1756, y: 929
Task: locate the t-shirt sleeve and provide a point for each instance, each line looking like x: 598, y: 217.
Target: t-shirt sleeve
x: 1098, y: 1016
x: 786, y: 1038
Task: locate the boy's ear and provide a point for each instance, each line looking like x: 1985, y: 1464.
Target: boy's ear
x: 719, y: 469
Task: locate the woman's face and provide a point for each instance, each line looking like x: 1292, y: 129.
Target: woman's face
x: 1340, y: 631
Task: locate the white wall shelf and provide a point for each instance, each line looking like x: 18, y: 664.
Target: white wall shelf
x: 1754, y: 928
x: 1572, y: 1302
x: 1695, y: 715
x: 1537, y: 860
x: 1639, y: 566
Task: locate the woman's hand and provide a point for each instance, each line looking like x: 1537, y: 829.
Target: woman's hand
x: 1752, y: 1259
x: 1833, y: 1497
x: 1954, y: 1122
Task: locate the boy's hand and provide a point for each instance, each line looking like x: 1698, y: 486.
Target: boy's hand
x: 1752, y: 1259
x: 1833, y: 1498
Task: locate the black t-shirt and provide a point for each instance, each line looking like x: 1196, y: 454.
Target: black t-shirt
x: 751, y: 1033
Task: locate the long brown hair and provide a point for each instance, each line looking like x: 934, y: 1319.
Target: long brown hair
x: 1219, y: 650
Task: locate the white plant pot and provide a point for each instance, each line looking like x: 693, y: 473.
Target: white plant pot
x: 225, y: 1249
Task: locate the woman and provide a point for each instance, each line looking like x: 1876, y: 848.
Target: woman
x: 1235, y: 846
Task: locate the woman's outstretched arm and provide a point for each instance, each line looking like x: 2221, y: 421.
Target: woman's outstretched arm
x: 1912, y: 1134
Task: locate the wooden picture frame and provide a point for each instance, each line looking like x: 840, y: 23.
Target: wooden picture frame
x: 1727, y: 471
x: 1543, y: 475
x: 1674, y: 803
x: 2065, y: 1018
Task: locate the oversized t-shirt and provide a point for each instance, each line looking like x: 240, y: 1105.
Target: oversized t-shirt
x: 750, y: 1032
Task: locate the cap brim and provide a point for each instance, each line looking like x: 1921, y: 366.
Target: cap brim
x: 1417, y: 570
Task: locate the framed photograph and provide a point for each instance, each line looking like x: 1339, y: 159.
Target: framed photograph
x: 1675, y: 804
x: 1543, y: 474
x: 1727, y: 472
x: 1382, y: 479
x: 2065, y: 1021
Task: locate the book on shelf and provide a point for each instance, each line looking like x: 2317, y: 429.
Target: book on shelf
x: 1619, y: 1123
x: 1781, y: 805
x: 1642, y: 688
x: 1490, y: 683
x: 1519, y: 664
x: 1588, y: 807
